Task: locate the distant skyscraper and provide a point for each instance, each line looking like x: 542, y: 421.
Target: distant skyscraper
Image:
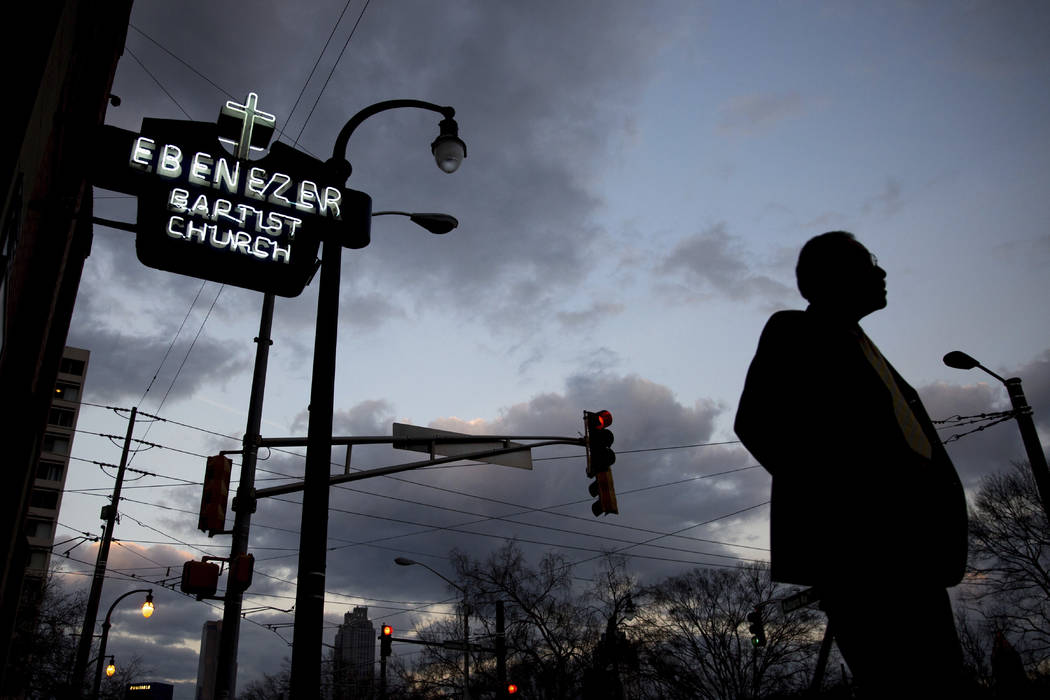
x: 207, y: 663
x: 355, y: 657
x: 53, y: 463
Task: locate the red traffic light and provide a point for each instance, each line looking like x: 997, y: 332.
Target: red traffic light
x: 599, y: 420
x: 387, y: 630
x: 511, y: 689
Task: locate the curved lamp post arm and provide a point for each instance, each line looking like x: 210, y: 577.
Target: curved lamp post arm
x: 97, y: 682
x: 404, y: 561
x: 449, y: 130
x: 111, y: 607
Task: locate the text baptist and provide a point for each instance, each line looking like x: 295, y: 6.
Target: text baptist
x: 256, y: 183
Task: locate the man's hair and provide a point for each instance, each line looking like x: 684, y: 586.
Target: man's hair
x: 818, y: 260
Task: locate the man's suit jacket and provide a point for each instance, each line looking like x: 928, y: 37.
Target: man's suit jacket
x: 851, y: 500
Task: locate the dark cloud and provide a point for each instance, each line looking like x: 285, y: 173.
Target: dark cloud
x: 123, y: 364
x: 663, y: 485
x: 714, y: 263
x: 524, y: 211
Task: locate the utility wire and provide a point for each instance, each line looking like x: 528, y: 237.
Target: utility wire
x: 190, y: 349
x: 187, y: 65
x: 163, y: 89
x: 331, y: 72
x: 171, y: 345
x: 288, y: 119
x: 524, y: 510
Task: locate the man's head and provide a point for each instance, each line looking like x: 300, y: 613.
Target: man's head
x: 836, y: 273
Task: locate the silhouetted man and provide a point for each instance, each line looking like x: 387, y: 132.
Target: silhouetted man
x: 866, y: 504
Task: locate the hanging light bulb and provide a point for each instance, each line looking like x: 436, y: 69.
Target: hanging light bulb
x: 448, y: 149
x: 111, y: 668
x: 147, y: 607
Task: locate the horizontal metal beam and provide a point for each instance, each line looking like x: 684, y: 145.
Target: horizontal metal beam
x: 389, y: 439
x: 454, y: 644
x: 397, y: 468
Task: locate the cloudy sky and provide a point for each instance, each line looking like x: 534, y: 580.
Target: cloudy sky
x: 639, y: 180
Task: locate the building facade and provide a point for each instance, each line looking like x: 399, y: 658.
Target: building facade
x: 45, y: 499
x: 355, y: 657
x: 61, y: 58
x: 207, y: 665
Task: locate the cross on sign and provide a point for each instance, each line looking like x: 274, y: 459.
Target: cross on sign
x: 249, y: 118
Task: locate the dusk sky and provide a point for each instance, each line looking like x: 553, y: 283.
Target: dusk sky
x: 639, y: 180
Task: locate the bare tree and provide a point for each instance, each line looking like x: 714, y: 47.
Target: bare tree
x: 50, y: 616
x: 549, y: 628
x: 614, y: 672
x: 128, y: 671
x: 698, y: 644
x: 270, y: 686
x: 1010, y: 561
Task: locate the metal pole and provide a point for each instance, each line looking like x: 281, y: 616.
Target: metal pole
x: 96, y: 682
x: 501, y: 651
x: 822, y: 660
x: 313, y: 533
x: 243, y: 506
x: 1030, y: 438
x: 466, y: 648
x: 88, y: 629
x: 382, y: 677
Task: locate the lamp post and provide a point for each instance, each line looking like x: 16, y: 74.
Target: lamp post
x: 404, y: 561
x: 1023, y: 414
x: 448, y: 151
x: 147, y: 610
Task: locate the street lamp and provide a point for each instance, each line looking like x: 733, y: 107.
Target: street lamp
x: 448, y: 151
x: 147, y: 610
x: 1023, y: 413
x: 435, y: 223
x: 404, y: 561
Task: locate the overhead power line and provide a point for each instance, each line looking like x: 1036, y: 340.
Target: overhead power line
x: 331, y: 72
x: 159, y: 84
x: 320, y: 55
x: 180, y: 60
x: 520, y: 509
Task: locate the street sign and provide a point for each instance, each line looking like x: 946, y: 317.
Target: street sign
x: 801, y: 599
x: 449, y: 444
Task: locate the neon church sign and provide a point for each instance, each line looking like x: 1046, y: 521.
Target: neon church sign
x: 210, y: 213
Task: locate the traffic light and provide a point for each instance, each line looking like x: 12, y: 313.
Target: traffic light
x: 241, y: 569
x: 216, y: 493
x: 512, y: 689
x: 756, y: 628
x: 384, y: 641
x: 200, y: 578
x: 600, y: 458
